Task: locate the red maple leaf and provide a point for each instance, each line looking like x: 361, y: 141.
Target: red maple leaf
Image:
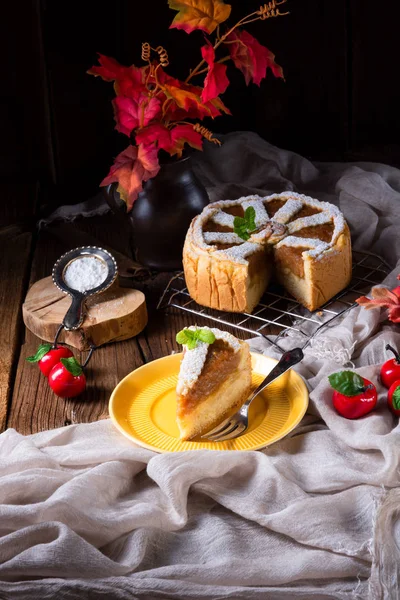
x: 194, y: 111
x: 199, y: 14
x: 109, y: 69
x: 132, y: 84
x: 217, y: 107
x: 185, y: 134
x: 194, y: 108
x: 251, y: 57
x: 216, y: 80
x: 156, y: 133
x: 211, y: 108
x: 129, y: 81
x: 130, y: 113
x: 132, y: 167
x: 186, y: 97
x: 171, y: 140
x: 383, y: 298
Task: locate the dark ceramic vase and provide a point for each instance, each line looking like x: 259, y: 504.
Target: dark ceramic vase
x: 161, y: 215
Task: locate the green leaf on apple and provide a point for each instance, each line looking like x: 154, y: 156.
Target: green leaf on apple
x: 347, y: 383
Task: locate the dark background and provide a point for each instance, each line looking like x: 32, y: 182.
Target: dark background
x: 340, y: 100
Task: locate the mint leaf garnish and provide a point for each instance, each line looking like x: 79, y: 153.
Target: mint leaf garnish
x: 396, y: 398
x: 207, y: 336
x: 244, y: 226
x: 191, y: 337
x: 347, y: 383
x: 181, y: 337
x: 241, y: 230
x: 40, y: 352
x: 72, y: 365
x: 250, y: 216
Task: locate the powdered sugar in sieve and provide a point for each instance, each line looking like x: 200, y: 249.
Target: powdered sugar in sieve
x: 80, y: 273
x: 85, y: 273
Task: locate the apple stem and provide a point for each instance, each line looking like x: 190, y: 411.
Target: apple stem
x: 59, y: 330
x: 390, y: 348
x: 89, y: 356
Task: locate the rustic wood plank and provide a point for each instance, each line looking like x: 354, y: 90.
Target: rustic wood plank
x: 14, y: 260
x: 34, y: 407
x: 17, y: 208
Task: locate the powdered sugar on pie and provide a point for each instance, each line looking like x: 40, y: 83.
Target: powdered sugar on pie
x: 193, y: 360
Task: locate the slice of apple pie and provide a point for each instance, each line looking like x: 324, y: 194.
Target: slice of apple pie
x: 214, y: 379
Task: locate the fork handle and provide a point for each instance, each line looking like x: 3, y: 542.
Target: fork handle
x: 287, y: 361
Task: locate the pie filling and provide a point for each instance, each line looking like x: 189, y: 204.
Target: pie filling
x: 236, y: 211
x: 221, y: 361
x: 273, y: 206
x: 320, y: 232
x: 224, y: 246
x: 288, y: 257
x: 258, y: 261
x: 306, y: 211
x: 210, y: 226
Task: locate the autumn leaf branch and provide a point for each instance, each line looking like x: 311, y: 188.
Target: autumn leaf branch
x: 150, y: 105
x: 266, y: 11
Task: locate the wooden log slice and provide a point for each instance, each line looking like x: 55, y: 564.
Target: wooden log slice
x: 114, y: 315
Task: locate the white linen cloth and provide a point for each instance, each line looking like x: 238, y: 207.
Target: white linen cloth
x: 84, y: 513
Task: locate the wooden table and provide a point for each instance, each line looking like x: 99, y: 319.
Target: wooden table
x: 26, y: 254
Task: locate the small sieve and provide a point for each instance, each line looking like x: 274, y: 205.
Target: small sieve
x: 75, y: 314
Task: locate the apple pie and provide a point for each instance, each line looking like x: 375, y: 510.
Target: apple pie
x: 234, y: 246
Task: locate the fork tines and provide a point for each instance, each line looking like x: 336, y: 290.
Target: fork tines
x: 227, y: 430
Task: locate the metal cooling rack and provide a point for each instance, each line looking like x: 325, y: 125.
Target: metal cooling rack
x: 278, y: 315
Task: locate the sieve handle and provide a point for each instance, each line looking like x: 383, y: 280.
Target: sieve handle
x: 74, y: 315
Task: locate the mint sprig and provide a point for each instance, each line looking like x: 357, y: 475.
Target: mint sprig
x: 72, y: 365
x: 40, y: 352
x: 396, y: 398
x: 244, y: 226
x: 347, y: 383
x: 190, y: 338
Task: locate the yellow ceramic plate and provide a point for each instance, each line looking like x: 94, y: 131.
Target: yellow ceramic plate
x: 143, y: 407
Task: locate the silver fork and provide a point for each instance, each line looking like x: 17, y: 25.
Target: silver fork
x: 237, y: 424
